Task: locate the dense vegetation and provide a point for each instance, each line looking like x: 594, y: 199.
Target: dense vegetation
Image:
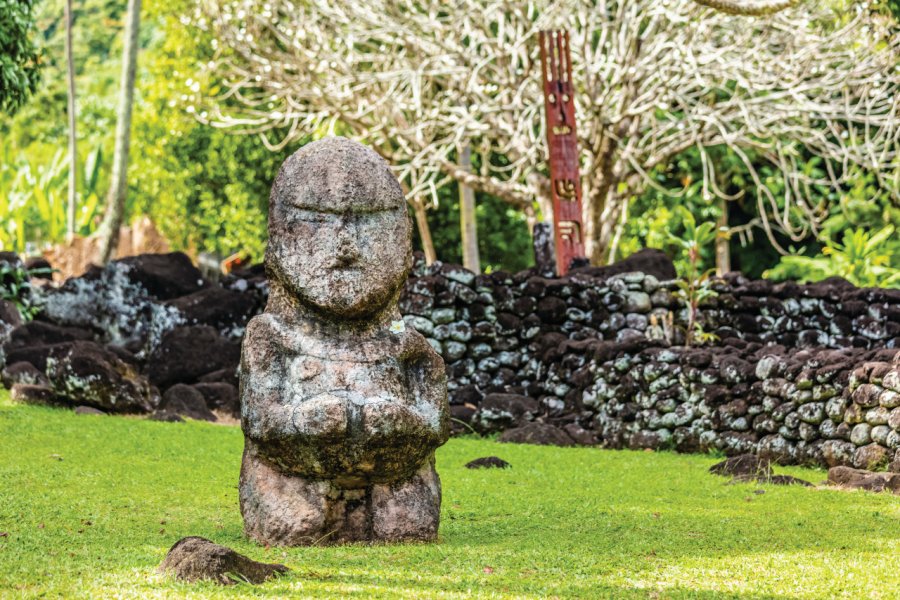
x: 90, y: 504
x: 207, y: 189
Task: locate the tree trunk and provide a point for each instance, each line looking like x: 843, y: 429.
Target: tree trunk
x: 115, y: 199
x: 73, y: 151
x: 602, y: 213
x: 424, y: 231
x: 723, y: 248
x: 467, y: 222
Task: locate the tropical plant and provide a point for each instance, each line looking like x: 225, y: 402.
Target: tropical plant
x: 15, y: 287
x: 863, y: 258
x: 20, y: 59
x: 33, y: 199
x: 694, y: 285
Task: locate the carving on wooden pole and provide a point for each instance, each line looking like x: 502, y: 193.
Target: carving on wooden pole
x: 562, y: 141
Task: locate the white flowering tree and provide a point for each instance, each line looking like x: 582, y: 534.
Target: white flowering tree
x: 420, y: 79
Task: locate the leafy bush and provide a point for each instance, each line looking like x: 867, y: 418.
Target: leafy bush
x: 694, y: 284
x: 33, y: 199
x: 863, y: 258
x: 15, y: 288
x: 20, y: 63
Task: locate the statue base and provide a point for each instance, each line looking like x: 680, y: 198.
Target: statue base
x: 282, y: 509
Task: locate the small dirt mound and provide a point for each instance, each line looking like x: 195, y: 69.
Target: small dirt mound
x: 196, y: 558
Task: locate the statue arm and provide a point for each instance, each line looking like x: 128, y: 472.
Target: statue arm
x: 429, y: 385
x: 264, y: 414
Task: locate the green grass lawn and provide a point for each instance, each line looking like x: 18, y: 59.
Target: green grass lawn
x: 90, y: 505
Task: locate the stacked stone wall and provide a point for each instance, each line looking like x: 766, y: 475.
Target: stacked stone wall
x: 799, y: 373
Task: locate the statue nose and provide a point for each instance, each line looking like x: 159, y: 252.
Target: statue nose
x: 347, y: 250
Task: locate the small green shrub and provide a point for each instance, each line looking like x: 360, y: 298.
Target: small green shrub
x: 863, y: 258
x: 15, y: 287
x: 694, y: 285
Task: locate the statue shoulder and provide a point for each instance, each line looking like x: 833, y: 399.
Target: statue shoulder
x: 268, y: 338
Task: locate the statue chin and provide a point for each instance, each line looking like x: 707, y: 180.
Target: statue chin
x: 353, y: 305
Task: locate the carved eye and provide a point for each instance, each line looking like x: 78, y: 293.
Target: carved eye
x: 310, y: 216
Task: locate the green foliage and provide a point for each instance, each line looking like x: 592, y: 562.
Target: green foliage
x: 15, y: 287
x: 694, y: 284
x: 863, y: 258
x: 33, y: 199
x: 89, y: 505
x: 655, y: 212
x: 858, y: 240
x: 503, y: 238
x: 20, y: 58
x: 33, y: 172
x: 206, y: 189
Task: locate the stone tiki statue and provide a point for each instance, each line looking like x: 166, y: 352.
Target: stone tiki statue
x: 342, y: 407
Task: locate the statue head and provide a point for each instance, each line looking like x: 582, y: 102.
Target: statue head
x: 339, y: 231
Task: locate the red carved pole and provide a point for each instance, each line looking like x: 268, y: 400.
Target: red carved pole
x: 559, y: 105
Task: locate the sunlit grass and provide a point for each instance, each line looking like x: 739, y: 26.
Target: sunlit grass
x: 90, y: 505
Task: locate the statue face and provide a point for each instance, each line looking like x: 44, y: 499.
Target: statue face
x: 347, y: 263
x: 339, y: 233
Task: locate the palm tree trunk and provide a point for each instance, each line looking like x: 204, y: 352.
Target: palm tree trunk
x: 467, y: 223
x: 424, y: 231
x: 73, y: 150
x: 115, y: 199
x: 723, y: 248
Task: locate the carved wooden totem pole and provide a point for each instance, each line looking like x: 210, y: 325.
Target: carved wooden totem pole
x: 562, y: 141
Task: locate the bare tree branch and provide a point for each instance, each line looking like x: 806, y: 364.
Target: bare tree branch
x: 417, y: 79
x: 749, y: 8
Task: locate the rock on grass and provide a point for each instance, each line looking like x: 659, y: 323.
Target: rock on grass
x: 749, y: 467
x: 195, y: 558
x: 745, y: 467
x: 488, y: 462
x: 864, y: 480
x: 541, y: 434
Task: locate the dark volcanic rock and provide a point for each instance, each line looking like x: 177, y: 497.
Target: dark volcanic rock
x: 537, y: 433
x: 218, y: 307
x: 9, y: 315
x: 220, y: 396
x: 649, y: 261
x: 40, y: 333
x: 186, y: 401
x: 488, y: 462
x: 227, y: 375
x: 744, y: 467
x: 22, y: 372
x: 187, y: 353
x: 41, y: 395
x: 500, y: 411
x: 165, y: 416
x: 194, y: 559
x: 864, y: 480
x: 164, y: 276
x: 787, y: 480
x: 85, y: 373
